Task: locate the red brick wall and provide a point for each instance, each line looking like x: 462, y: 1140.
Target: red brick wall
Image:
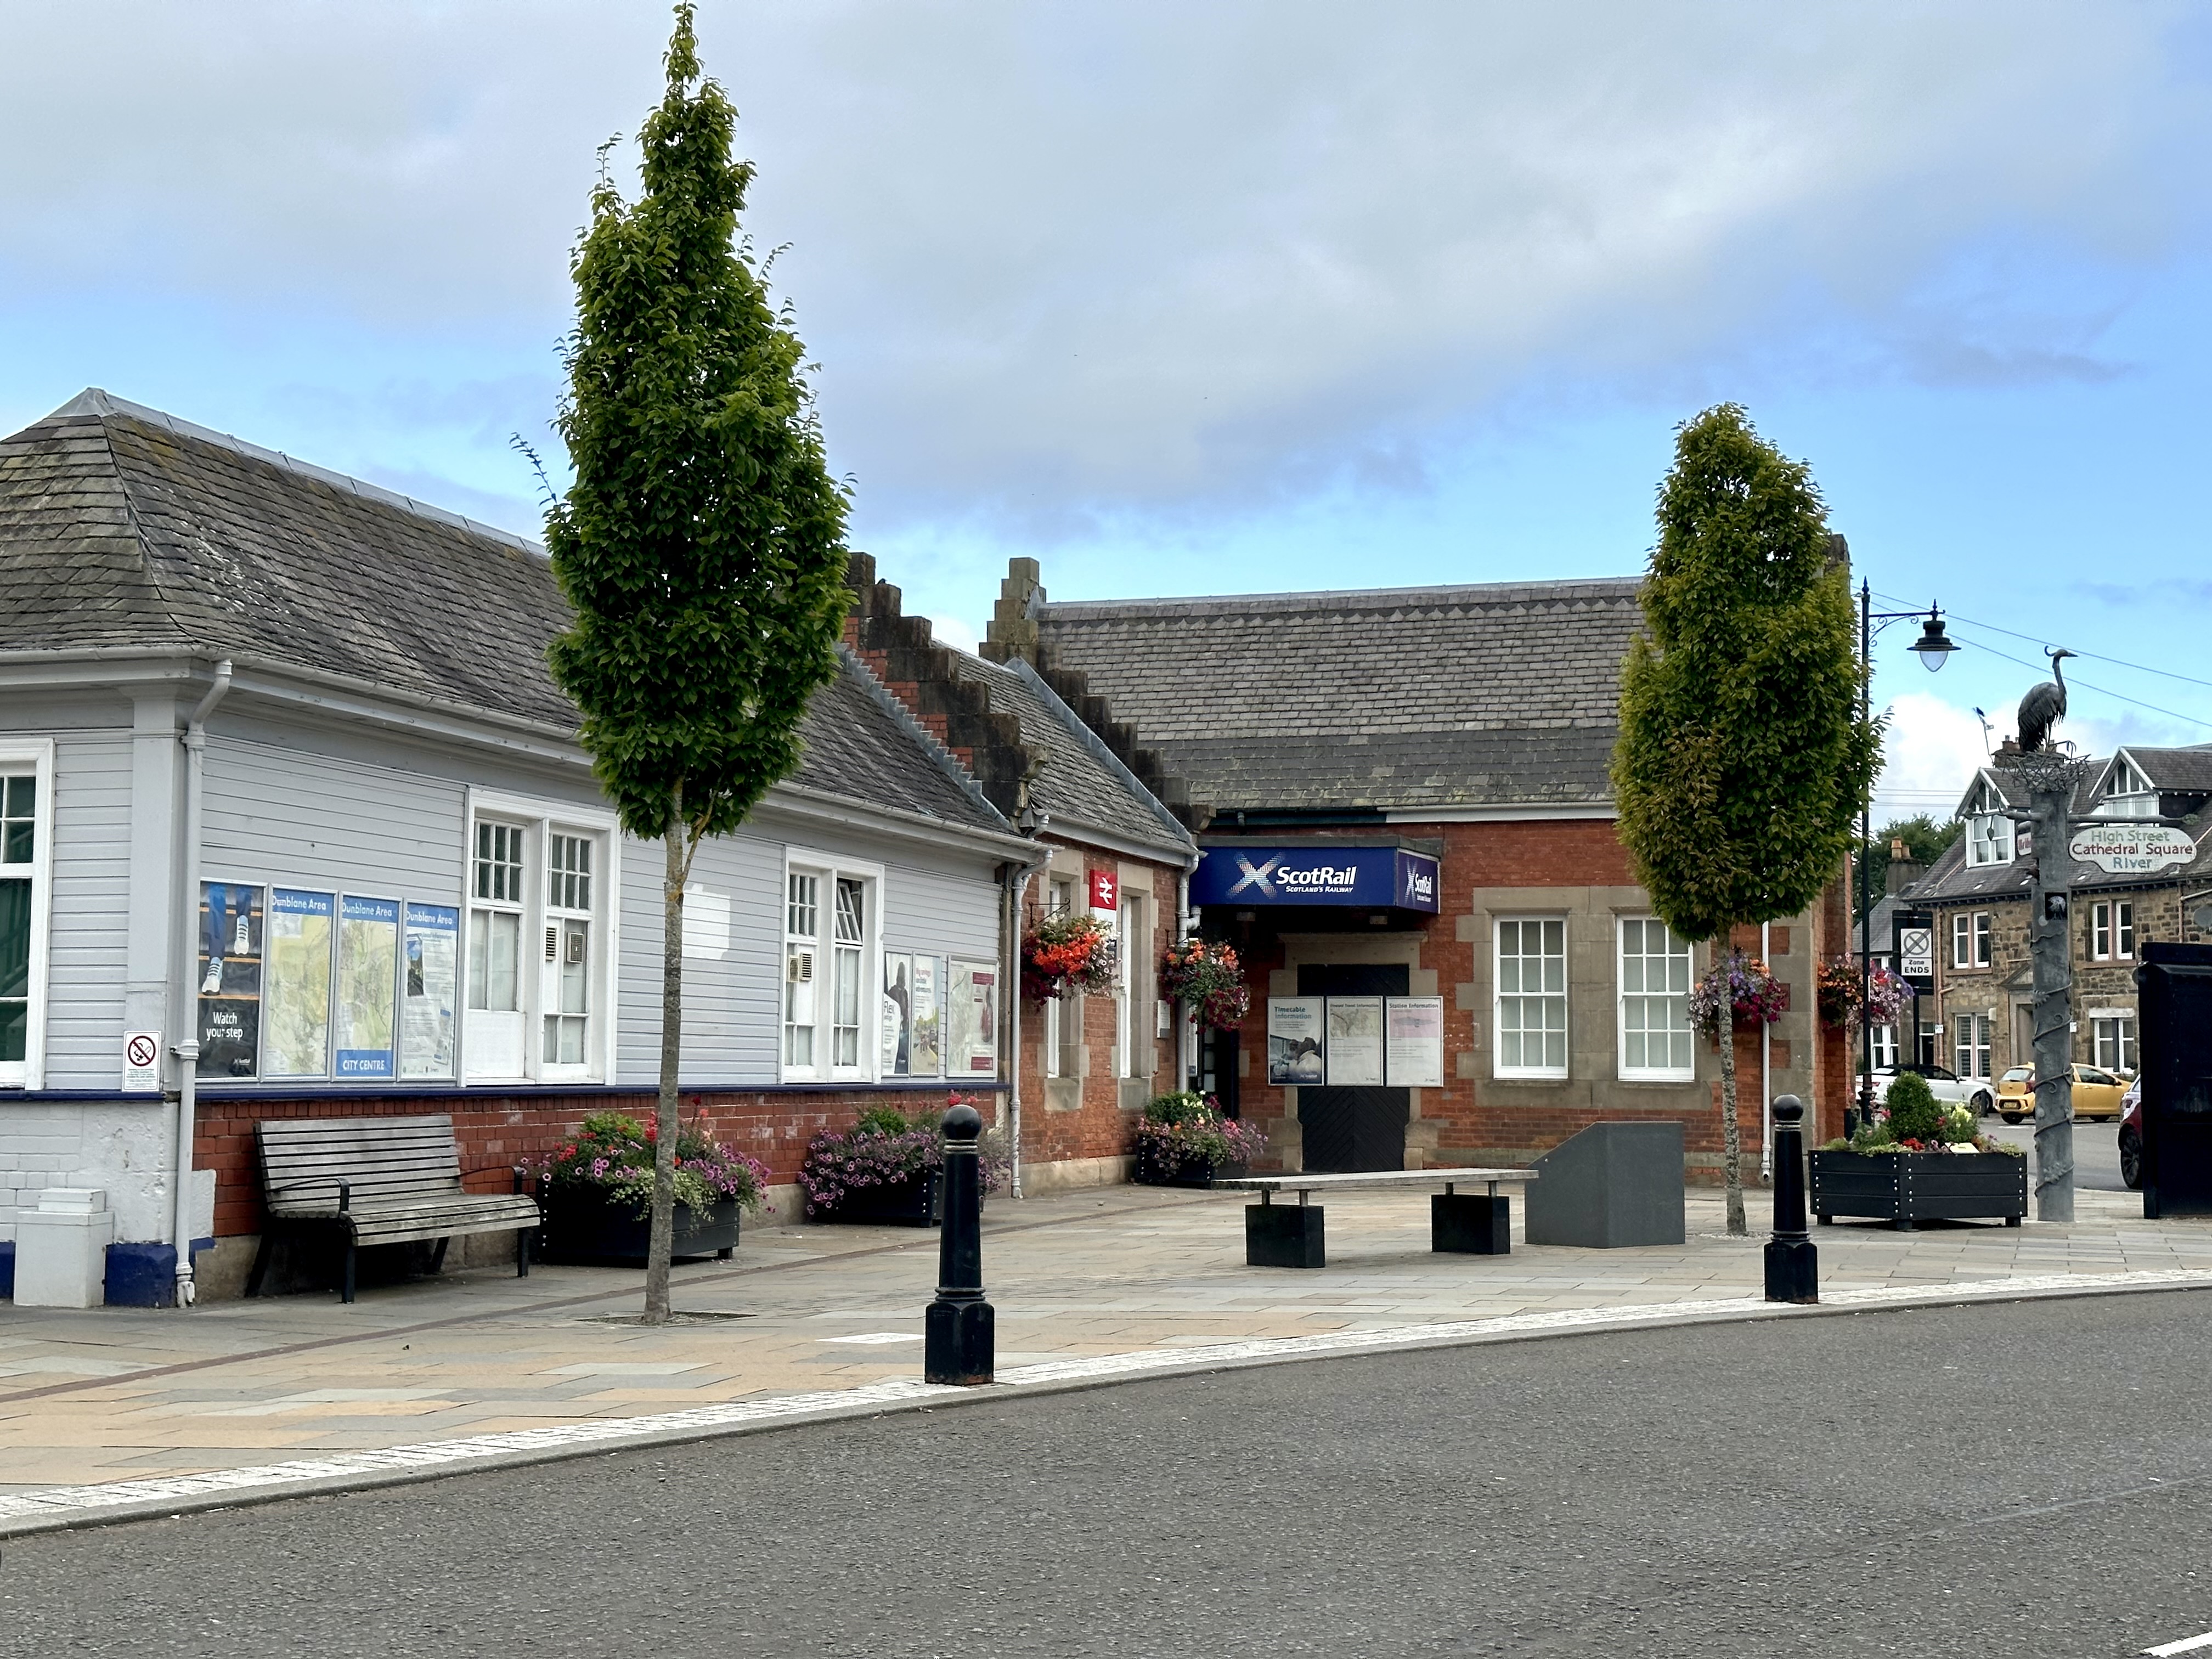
x: 496, y: 1133
x: 1099, y: 1128
x: 1474, y: 1115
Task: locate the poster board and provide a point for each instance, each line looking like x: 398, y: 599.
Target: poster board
x: 430, y: 962
x: 1297, y: 1041
x: 368, y: 971
x: 926, y: 1020
x: 1413, y: 1041
x: 1355, y: 1042
x: 972, y: 1020
x: 296, y: 1012
x: 228, y: 1014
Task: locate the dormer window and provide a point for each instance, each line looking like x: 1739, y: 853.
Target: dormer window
x: 1989, y: 831
x: 2129, y: 794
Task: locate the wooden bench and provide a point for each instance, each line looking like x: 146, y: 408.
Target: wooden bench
x: 379, y: 1181
x: 1290, y: 1235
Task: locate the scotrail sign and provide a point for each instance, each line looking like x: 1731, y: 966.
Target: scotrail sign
x: 2130, y: 849
x: 1368, y: 878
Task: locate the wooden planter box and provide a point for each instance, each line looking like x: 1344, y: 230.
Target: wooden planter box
x: 1904, y: 1188
x: 1188, y: 1172
x: 916, y: 1201
x: 584, y: 1225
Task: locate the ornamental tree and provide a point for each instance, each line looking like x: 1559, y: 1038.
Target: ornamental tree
x: 1743, y: 760
x: 702, y: 545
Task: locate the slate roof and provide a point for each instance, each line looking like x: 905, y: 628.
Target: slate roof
x: 1403, y: 698
x: 1952, y: 880
x: 121, y: 526
x: 2183, y: 771
x: 1080, y: 782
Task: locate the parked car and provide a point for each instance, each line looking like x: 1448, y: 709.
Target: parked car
x: 2131, y: 1135
x: 1943, y: 1085
x: 2096, y: 1093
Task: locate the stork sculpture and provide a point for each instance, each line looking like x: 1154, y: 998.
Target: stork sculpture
x: 2044, y: 706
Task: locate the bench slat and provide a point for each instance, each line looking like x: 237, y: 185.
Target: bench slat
x: 1440, y: 1175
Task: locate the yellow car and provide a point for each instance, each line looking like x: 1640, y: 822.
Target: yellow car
x: 2096, y: 1093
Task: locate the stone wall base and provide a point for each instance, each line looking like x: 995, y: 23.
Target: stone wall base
x: 1070, y: 1174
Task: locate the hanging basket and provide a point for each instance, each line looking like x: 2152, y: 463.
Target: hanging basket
x: 1757, y: 998
x: 1209, y: 980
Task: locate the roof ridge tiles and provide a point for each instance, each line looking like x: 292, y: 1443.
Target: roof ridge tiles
x: 1575, y: 591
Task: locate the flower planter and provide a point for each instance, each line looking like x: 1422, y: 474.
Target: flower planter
x: 914, y: 1201
x: 1904, y: 1188
x: 583, y: 1225
x: 1152, y: 1170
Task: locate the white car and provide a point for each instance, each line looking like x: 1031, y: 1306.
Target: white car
x: 1974, y: 1091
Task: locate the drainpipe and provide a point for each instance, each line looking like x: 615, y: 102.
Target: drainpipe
x: 187, y: 1052
x: 1186, y: 1021
x: 1766, y: 1054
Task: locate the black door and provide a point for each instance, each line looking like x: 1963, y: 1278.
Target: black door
x: 1350, y: 1130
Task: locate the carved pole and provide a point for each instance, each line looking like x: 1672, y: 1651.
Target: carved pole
x: 2050, y: 794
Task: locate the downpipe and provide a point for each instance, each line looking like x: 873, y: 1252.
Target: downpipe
x: 187, y: 1051
x: 1766, y: 1056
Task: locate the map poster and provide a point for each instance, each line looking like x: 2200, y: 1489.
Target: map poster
x: 926, y: 1019
x: 1413, y: 1041
x: 1297, y: 1041
x: 228, y: 1024
x: 429, y: 960
x: 973, y: 1018
x: 897, y: 1025
x: 1355, y: 1042
x: 368, y: 974
x: 295, y: 1010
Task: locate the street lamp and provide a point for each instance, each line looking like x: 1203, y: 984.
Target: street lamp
x: 1933, y: 648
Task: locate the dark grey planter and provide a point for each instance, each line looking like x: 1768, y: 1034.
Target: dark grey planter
x: 583, y: 1225
x: 918, y: 1200
x: 1152, y: 1171
x: 1610, y: 1187
x: 1905, y: 1188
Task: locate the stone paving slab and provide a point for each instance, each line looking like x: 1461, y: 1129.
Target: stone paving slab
x: 92, y: 1398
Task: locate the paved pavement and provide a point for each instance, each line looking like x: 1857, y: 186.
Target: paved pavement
x: 114, y: 1396
x: 2096, y: 1151
x: 1840, y: 1487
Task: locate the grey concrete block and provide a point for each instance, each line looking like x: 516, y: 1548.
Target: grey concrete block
x: 1612, y: 1186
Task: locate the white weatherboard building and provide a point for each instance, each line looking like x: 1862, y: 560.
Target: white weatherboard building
x: 284, y: 777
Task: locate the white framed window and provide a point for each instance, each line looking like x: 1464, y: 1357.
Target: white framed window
x: 832, y: 963
x: 26, y: 840
x: 1989, y: 831
x: 2112, y: 1042
x: 2112, y: 930
x: 1132, y: 1008
x: 1971, y: 939
x: 1884, y: 1046
x: 1971, y: 1042
x: 1530, y: 1007
x: 1063, y: 1015
x: 2128, y: 793
x: 1653, y: 994
x: 539, y: 921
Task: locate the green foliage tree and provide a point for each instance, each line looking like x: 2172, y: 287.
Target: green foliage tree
x: 702, y: 545
x: 1743, y: 762
x: 1924, y: 840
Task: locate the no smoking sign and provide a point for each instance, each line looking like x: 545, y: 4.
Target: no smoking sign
x: 141, y: 1060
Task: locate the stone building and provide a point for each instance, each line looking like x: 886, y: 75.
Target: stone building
x: 1977, y: 894
x: 1401, y: 803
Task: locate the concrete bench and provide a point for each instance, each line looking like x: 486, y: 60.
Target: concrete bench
x: 1463, y: 1224
x: 379, y: 1181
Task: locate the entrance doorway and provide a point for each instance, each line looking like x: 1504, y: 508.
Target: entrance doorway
x: 1351, y: 1131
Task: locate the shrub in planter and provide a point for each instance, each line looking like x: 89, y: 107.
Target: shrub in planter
x: 598, y: 1188
x: 1914, y: 1114
x: 1183, y: 1140
x: 885, y: 1167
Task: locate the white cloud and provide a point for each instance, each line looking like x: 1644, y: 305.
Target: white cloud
x: 1057, y: 260
x: 1930, y: 754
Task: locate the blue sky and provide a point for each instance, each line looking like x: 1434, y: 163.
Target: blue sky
x: 1230, y: 298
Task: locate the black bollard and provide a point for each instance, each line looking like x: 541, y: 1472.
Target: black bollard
x: 1792, y: 1263
x: 959, y: 1335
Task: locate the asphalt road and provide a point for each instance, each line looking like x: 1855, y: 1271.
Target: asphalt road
x: 1876, y: 1484
x: 2096, y: 1150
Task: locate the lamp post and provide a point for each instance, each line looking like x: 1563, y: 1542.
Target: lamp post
x: 1933, y: 648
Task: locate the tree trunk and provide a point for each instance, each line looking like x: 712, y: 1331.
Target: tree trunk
x: 1731, y: 1137
x: 661, y: 1244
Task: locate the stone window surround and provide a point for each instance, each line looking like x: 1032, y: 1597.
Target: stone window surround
x: 1072, y: 864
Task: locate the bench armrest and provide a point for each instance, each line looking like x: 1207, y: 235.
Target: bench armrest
x: 345, y: 1190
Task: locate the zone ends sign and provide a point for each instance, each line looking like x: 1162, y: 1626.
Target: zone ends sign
x: 2130, y: 849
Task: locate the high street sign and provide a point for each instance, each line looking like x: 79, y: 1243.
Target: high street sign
x: 2130, y: 849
